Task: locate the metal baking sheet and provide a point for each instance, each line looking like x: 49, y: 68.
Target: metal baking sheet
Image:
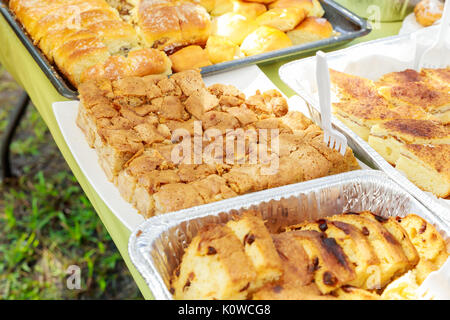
x: 349, y: 25
x: 374, y: 58
x: 157, y: 245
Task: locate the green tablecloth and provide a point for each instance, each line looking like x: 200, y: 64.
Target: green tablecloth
x: 19, y: 63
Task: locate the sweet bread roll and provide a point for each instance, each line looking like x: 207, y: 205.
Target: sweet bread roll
x: 220, y: 49
x: 312, y: 8
x: 119, y: 36
x: 207, y: 4
x: 233, y: 26
x: 221, y: 7
x: 249, y: 9
x: 283, y: 19
x: 264, y: 39
x: 167, y: 27
x: 261, y: 1
x: 428, y: 11
x: 57, y: 38
x: 190, y: 57
x: 139, y: 63
x: 311, y: 29
x: 75, y: 56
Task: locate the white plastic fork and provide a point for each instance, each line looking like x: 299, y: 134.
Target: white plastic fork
x: 435, y: 56
x: 437, y: 285
x: 332, y: 138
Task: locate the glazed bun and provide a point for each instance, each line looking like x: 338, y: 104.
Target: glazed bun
x: 428, y: 12
x: 264, y: 39
x: 168, y: 27
x: 249, y: 9
x: 190, y: 57
x: 312, y: 8
x: 283, y: 19
x: 233, y: 26
x: 138, y: 63
x: 311, y: 29
x: 207, y: 4
x: 220, y: 49
x: 221, y: 7
x: 261, y: 1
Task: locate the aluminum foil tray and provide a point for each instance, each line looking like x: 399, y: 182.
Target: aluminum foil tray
x: 372, y: 60
x: 157, y: 245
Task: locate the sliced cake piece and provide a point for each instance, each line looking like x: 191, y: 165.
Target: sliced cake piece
x: 427, y: 166
x: 258, y: 246
x: 393, y: 261
x: 429, y: 243
x: 399, y: 234
x: 361, y: 115
x: 214, y: 266
x: 395, y: 78
x: 332, y: 268
x: 297, y: 280
x: 439, y: 78
x: 352, y: 241
x: 433, y: 100
x: 347, y: 86
x: 387, y: 138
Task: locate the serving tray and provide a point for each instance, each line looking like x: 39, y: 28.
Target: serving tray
x: 247, y: 79
x: 157, y: 245
x: 371, y: 60
x: 349, y: 26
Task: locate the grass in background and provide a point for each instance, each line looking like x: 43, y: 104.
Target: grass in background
x: 48, y: 224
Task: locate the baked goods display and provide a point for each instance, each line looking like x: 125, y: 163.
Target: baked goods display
x: 427, y: 12
x: 405, y: 117
x: 351, y: 256
x: 146, y: 131
x: 88, y: 39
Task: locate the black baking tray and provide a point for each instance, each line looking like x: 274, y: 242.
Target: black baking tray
x: 347, y: 24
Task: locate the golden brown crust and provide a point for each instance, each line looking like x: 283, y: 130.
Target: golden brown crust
x: 406, y: 76
x: 313, y: 257
x: 428, y: 12
x: 190, y: 57
x: 435, y: 156
x: 418, y: 94
x: 136, y: 125
x: 417, y: 128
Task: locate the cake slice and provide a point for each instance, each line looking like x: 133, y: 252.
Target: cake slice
x: 402, y: 77
x: 346, y: 87
x: 388, y: 138
x: 352, y: 241
x: 258, y: 246
x: 214, y: 266
x: 427, y: 166
x: 297, y: 280
x: 393, y: 261
x: 360, y: 116
x: 429, y: 243
x: 439, y: 78
x: 399, y: 234
x: 332, y: 268
x: 435, y: 101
